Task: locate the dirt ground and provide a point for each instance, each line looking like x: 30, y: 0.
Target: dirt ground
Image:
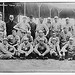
x: 33, y: 65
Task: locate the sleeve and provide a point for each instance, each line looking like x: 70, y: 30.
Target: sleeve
x: 49, y: 41
x: 46, y: 28
x: 29, y: 28
x: 18, y: 39
x: 9, y: 36
x: 17, y: 26
x: 31, y: 49
x: 20, y: 47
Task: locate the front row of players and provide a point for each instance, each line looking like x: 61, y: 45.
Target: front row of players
x: 12, y: 47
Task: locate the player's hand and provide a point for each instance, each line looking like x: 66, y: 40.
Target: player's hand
x: 40, y: 54
x: 26, y: 54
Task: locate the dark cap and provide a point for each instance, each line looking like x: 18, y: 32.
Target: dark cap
x: 31, y: 16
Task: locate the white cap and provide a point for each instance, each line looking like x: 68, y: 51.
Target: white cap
x: 24, y: 17
x: 41, y: 39
x: 29, y: 32
x: 40, y: 31
x: 5, y: 39
x: 49, y: 18
x: 0, y: 15
x: 25, y: 38
x: 67, y: 18
x: 11, y: 16
x: 70, y: 38
x: 56, y: 17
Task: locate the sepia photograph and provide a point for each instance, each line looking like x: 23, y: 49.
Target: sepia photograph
x: 37, y: 37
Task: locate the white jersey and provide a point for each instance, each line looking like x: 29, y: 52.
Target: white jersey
x: 3, y: 28
x: 23, y: 26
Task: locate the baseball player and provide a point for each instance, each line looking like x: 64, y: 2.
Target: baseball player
x: 54, y: 45
x: 6, y: 50
x: 25, y: 48
x: 70, y: 48
x: 41, y: 49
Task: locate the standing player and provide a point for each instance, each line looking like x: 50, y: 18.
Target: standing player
x: 56, y: 24
x: 2, y: 28
x: 68, y: 25
x: 42, y: 26
x: 22, y: 26
x: 49, y: 25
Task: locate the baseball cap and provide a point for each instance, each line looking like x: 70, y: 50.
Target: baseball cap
x: 56, y: 17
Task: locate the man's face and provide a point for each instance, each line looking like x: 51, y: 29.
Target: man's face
x: 67, y: 20
x: 24, y: 19
x: 54, y: 35
x: 11, y: 17
x: 41, y: 20
x: 25, y: 41
x: 56, y: 19
x: 71, y: 41
x: 48, y: 20
x: 41, y: 34
x: 23, y: 33
x: 31, y: 19
x: 29, y: 34
x: 41, y: 41
x: 65, y: 30
x: 5, y: 42
x: 13, y: 32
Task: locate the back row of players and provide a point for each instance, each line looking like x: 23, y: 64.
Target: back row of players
x: 28, y: 39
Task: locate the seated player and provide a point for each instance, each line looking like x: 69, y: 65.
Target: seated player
x: 41, y: 49
x: 14, y: 39
x: 41, y: 35
x: 54, y: 46
x: 64, y: 36
x: 70, y: 48
x: 6, y: 50
x: 28, y: 35
x: 25, y: 48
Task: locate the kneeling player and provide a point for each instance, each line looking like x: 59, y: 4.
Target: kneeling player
x: 41, y: 48
x: 25, y: 48
x: 6, y: 50
x: 54, y: 46
x: 70, y: 48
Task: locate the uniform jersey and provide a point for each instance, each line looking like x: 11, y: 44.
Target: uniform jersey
x: 53, y: 43
x: 65, y: 36
x: 71, y: 47
x: 23, y: 26
x: 68, y: 26
x: 42, y: 27
x: 38, y: 39
x: 29, y: 37
x: 56, y: 26
x: 2, y: 27
x: 41, y: 48
x: 24, y: 47
x: 6, y: 48
x: 12, y: 40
